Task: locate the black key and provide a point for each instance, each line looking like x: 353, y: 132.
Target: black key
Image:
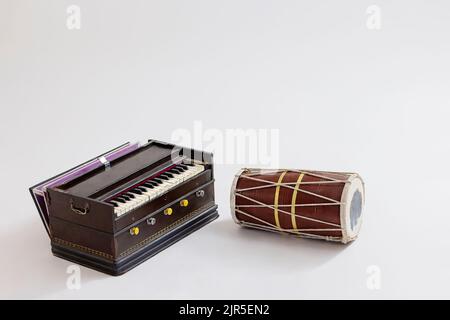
x: 174, y: 171
x: 141, y: 189
x: 189, y: 164
x: 136, y: 191
x: 118, y: 199
x: 181, y: 169
x: 185, y: 167
x: 163, y: 177
x: 159, y: 181
x: 148, y: 185
x: 168, y: 174
x: 124, y: 196
x: 130, y: 195
x: 114, y: 204
x: 153, y: 183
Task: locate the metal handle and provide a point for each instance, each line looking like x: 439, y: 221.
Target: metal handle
x: 80, y: 211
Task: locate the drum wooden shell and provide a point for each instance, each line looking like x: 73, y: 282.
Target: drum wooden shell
x: 304, y: 203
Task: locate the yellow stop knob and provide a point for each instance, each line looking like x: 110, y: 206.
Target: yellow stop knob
x: 134, y: 231
x: 184, y: 203
x: 168, y: 211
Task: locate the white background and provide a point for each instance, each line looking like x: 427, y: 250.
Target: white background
x: 345, y: 98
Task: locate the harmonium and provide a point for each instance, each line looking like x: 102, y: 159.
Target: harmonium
x: 115, y: 211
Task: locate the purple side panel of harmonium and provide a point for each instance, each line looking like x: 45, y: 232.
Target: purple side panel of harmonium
x: 40, y: 190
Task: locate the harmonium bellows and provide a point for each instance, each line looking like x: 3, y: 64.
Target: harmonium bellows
x: 115, y: 211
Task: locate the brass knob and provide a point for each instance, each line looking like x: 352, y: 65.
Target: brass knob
x: 184, y: 203
x: 168, y: 211
x: 134, y: 231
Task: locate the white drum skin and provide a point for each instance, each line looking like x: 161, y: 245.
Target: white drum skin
x: 355, y: 186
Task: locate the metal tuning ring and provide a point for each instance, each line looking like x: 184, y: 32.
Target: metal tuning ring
x: 200, y: 193
x: 80, y: 211
x: 151, y: 221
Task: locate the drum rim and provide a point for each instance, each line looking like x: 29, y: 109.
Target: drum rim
x: 347, y: 234
x: 233, y: 195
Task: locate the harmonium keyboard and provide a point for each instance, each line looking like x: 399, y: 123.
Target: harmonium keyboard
x: 115, y: 211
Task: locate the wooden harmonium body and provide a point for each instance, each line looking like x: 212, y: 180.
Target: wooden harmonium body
x: 119, y: 209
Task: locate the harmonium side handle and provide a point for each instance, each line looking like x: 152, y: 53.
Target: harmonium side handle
x: 81, y: 211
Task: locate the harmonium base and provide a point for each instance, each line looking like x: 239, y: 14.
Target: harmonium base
x: 119, y: 267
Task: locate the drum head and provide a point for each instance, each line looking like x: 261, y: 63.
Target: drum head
x: 351, y: 208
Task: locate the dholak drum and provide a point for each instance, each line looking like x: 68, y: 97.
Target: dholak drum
x: 312, y: 204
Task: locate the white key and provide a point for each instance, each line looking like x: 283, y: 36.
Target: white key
x: 120, y: 209
x: 163, y: 187
x: 127, y: 206
x: 170, y: 181
x: 175, y: 180
x: 146, y: 193
x: 156, y: 191
x: 200, y: 168
x: 137, y: 200
x: 185, y: 175
x: 192, y: 171
x: 149, y: 193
